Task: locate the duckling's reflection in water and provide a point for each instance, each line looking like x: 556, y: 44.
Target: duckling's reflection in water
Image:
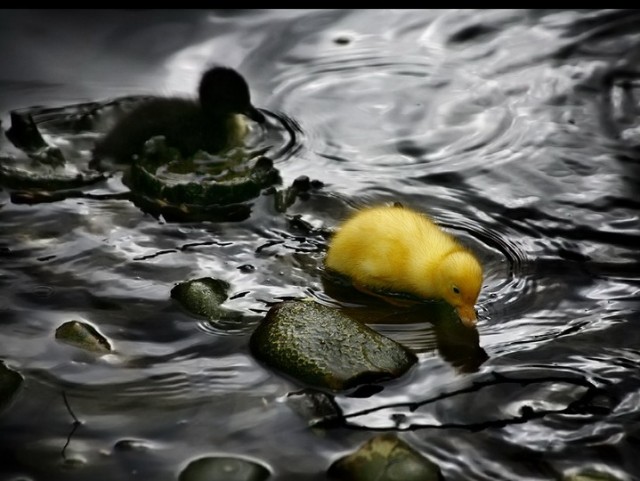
x: 456, y: 343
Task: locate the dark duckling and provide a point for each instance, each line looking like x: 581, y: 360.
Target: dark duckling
x: 189, y: 125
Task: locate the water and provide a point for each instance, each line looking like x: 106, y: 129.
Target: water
x: 517, y: 130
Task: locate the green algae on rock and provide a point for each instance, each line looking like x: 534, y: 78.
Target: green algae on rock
x: 590, y: 475
x: 188, y: 202
x: 10, y: 382
x: 385, y: 458
x: 202, y: 297
x: 83, y: 335
x: 188, y: 189
x: 224, y: 468
x: 320, y: 346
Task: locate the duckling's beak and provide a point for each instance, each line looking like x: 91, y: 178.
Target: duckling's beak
x: 255, y: 115
x: 467, y: 315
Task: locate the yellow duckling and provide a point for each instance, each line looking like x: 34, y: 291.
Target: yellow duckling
x: 396, y: 249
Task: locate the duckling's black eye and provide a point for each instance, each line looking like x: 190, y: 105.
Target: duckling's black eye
x: 456, y: 290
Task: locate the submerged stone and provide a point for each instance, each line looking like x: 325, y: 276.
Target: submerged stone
x: 202, y: 297
x: 84, y: 336
x: 385, y: 458
x: 224, y: 468
x: 132, y: 445
x: 321, y: 346
x: 314, y: 406
x: 590, y: 475
x: 300, y: 188
x: 74, y: 462
x: 10, y: 382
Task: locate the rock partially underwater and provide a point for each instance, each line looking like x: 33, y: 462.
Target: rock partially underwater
x: 322, y: 347
x: 224, y: 468
x: 202, y: 297
x: 385, y: 458
x: 589, y: 475
x: 46, y: 157
x: 204, y: 187
x: 456, y: 343
x: 84, y: 336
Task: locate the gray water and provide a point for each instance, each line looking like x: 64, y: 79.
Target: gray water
x: 517, y: 130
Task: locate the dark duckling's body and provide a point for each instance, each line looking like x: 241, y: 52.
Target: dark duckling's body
x: 209, y: 123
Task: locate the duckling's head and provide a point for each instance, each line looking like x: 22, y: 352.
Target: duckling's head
x: 460, y: 280
x: 224, y: 92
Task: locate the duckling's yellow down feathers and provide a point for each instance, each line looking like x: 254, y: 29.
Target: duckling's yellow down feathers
x: 396, y: 249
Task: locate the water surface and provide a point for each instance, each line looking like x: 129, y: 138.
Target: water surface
x: 517, y: 130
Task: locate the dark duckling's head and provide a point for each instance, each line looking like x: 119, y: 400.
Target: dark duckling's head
x: 223, y: 91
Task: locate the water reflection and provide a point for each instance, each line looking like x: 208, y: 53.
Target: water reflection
x: 423, y: 327
x: 515, y: 129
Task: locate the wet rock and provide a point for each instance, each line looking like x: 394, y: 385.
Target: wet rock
x: 342, y: 40
x: 224, y: 468
x: 10, y: 382
x: 73, y: 463
x: 84, y: 336
x: 385, y: 458
x: 322, y: 347
x: 300, y: 188
x: 17, y: 178
x: 456, y: 343
x: 210, y: 198
x: 196, y: 188
x: 125, y: 445
x: 137, y: 456
x: 203, y: 296
x: 314, y: 406
x: 590, y: 475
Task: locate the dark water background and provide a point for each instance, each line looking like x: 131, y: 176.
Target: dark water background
x: 517, y: 130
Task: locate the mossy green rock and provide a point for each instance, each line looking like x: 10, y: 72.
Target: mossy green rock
x: 224, y: 468
x: 202, y: 297
x: 385, y: 458
x: 240, y: 184
x: 321, y: 346
x: 84, y: 336
x: 213, y: 201
x: 10, y: 382
x: 590, y: 475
